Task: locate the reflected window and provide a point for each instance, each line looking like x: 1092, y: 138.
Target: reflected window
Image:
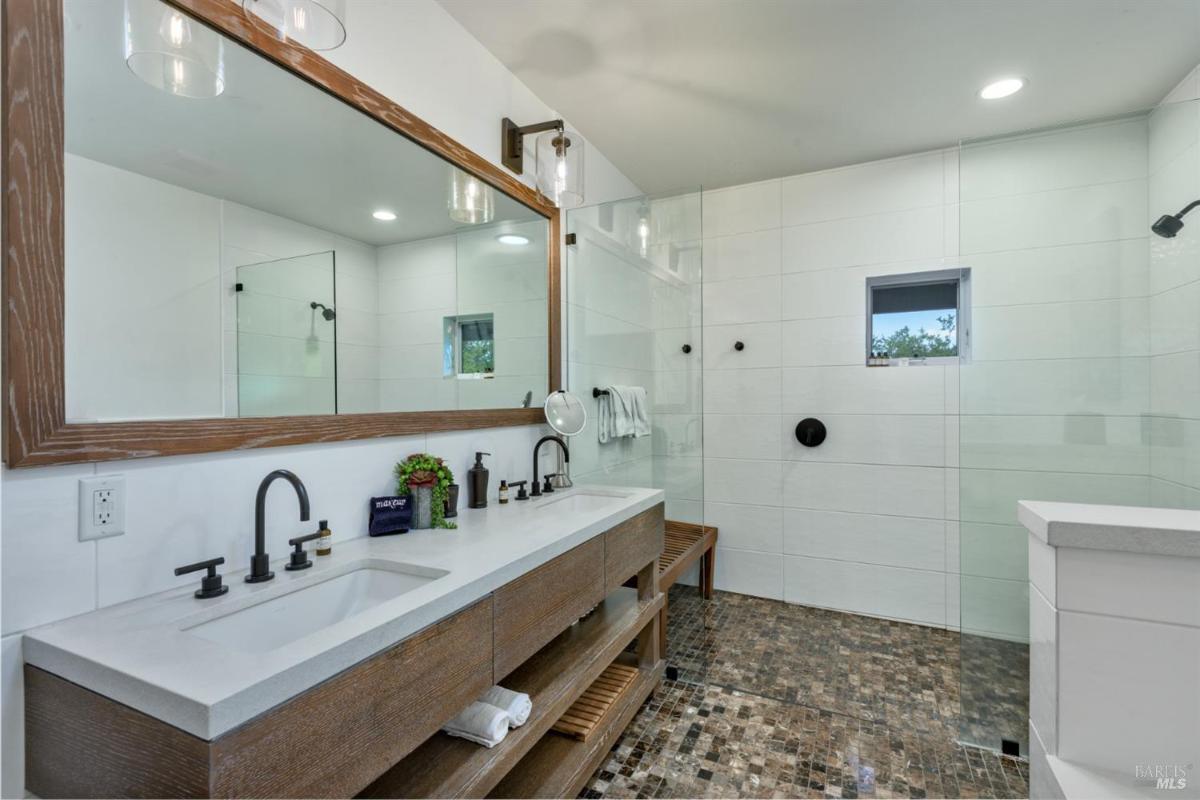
x: 918, y: 315
x: 469, y: 346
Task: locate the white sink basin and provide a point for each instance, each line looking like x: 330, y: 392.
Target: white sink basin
x: 281, y: 620
x: 582, y: 502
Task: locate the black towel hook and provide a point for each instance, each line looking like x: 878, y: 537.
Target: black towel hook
x: 739, y: 346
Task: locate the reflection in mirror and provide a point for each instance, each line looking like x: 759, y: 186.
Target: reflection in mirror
x: 374, y: 275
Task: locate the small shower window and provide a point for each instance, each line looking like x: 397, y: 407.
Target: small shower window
x: 469, y: 346
x: 922, y: 315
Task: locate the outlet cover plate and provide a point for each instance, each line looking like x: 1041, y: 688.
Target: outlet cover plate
x: 101, y: 507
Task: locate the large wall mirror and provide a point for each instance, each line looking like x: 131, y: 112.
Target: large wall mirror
x: 250, y: 234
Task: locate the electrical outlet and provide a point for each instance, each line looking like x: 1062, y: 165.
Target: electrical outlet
x: 101, y: 507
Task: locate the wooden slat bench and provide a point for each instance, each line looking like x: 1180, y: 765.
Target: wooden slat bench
x: 685, y: 543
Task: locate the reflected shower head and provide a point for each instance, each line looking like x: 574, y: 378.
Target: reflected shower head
x: 326, y: 312
x: 1170, y: 224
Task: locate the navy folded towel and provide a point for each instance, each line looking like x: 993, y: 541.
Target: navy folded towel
x: 390, y: 515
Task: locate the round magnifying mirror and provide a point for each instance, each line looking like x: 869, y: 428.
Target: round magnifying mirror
x: 565, y: 412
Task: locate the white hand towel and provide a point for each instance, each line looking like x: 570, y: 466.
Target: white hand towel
x: 622, y: 413
x: 516, y: 704
x: 480, y: 723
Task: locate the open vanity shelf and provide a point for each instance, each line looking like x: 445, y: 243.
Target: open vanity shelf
x: 554, y: 678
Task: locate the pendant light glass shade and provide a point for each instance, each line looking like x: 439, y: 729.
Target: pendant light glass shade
x: 173, y: 52
x: 471, y: 200
x: 560, y: 167
x: 316, y: 24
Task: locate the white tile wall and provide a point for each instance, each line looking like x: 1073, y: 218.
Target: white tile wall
x: 1174, y: 329
x: 858, y: 524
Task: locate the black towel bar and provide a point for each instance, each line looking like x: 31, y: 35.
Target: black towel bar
x: 596, y: 392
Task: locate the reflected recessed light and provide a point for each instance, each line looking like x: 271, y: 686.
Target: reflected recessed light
x: 383, y: 215
x: 512, y: 238
x: 1002, y: 88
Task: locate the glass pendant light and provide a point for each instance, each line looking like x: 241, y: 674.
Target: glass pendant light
x: 173, y: 52
x: 560, y: 167
x: 642, y: 229
x: 316, y: 24
x: 471, y: 201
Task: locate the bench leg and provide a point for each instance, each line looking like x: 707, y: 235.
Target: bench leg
x: 707, y: 570
x: 662, y: 628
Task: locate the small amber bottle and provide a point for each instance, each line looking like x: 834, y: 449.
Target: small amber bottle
x: 324, y: 543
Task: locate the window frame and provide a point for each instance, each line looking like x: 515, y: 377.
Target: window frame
x: 960, y: 276
x: 455, y: 340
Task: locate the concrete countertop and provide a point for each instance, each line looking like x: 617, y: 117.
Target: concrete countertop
x: 140, y: 653
x: 1130, y: 529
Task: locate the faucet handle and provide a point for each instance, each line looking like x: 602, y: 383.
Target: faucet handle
x: 210, y: 584
x: 549, y: 485
x: 521, y: 493
x: 299, y: 559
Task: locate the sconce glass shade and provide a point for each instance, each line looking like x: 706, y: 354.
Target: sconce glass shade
x: 560, y: 167
x: 316, y: 24
x: 471, y: 201
x: 641, y: 230
x: 173, y: 52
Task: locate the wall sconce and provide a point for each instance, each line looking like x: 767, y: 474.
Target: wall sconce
x: 471, y: 201
x: 558, y: 153
x: 173, y: 52
x: 315, y: 24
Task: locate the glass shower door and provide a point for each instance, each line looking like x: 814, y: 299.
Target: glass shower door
x: 1054, y: 402
x: 633, y: 318
x: 286, y: 337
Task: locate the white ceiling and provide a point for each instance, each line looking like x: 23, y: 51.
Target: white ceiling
x: 719, y: 92
x: 269, y: 141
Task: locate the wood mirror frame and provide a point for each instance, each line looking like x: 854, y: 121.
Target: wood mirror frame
x: 35, y: 428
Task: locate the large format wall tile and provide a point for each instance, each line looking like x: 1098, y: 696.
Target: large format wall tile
x: 906, y: 594
x: 868, y: 538
x: 877, y: 187
x: 903, y: 440
x: 865, y: 488
x: 1106, y: 152
x: 859, y: 390
x: 1097, y: 213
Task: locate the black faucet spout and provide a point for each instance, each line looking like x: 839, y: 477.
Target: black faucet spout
x: 260, y: 562
x: 537, y: 488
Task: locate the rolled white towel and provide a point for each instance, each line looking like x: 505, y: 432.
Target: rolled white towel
x: 480, y: 723
x: 516, y: 704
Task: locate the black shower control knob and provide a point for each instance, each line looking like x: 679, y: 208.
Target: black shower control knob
x: 739, y: 346
x: 687, y: 348
x: 810, y: 432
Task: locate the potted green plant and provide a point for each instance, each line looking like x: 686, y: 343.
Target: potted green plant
x: 428, y: 479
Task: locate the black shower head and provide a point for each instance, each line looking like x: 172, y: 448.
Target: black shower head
x: 326, y: 312
x: 1167, y: 226
x: 1170, y: 224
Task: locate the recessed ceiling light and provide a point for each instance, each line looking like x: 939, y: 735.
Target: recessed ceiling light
x: 1002, y: 88
x: 383, y: 215
x: 512, y: 238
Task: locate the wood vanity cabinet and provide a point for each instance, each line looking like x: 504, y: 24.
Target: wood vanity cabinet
x: 353, y: 731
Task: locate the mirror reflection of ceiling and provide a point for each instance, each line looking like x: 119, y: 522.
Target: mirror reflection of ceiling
x: 270, y: 140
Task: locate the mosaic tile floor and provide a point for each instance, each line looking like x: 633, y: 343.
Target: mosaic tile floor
x: 778, y: 700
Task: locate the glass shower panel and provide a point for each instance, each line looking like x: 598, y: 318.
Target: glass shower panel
x: 633, y: 318
x: 1053, y: 401
x: 286, y: 337
x: 1175, y: 309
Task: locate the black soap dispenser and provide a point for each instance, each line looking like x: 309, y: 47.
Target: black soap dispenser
x: 477, y: 483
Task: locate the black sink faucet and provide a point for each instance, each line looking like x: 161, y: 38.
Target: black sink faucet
x: 260, y: 562
x: 537, y: 489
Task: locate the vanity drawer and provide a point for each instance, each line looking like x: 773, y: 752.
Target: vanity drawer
x: 337, y: 737
x: 536, y: 607
x: 330, y: 741
x: 631, y: 545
